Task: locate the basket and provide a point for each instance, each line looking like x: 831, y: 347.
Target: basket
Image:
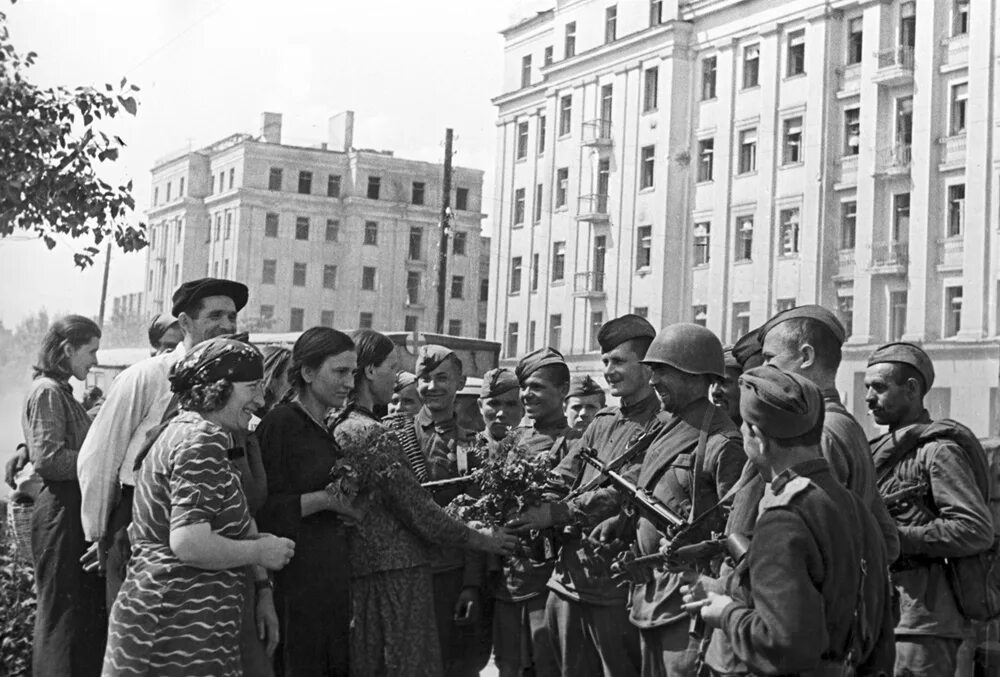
x: 19, y: 528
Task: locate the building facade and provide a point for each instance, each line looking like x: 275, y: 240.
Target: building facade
x: 342, y: 238
x: 717, y: 161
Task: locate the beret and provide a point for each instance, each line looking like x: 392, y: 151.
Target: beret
x: 906, y: 353
x: 430, y: 357
x: 498, y: 381
x: 193, y: 290
x: 404, y: 380
x: 582, y: 386
x: 615, y: 332
x: 535, y: 360
x: 159, y: 326
x: 782, y: 405
x: 808, y: 312
x: 731, y: 362
x: 748, y: 351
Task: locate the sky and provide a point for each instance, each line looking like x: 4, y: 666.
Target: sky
x: 208, y: 68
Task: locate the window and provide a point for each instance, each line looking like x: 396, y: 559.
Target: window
x: 329, y: 277
x: 643, y: 247
x: 484, y: 289
x: 540, y: 149
x: 603, y: 183
x: 904, y: 120
x: 537, y: 206
x: 960, y: 17
x: 462, y: 199
x: 555, y: 331
x: 269, y: 271
x: 525, y: 70
x: 177, y: 271
x: 647, y: 166
x: 751, y: 66
x: 569, y: 48
x: 168, y: 191
x: 534, y: 272
x: 416, y: 250
x: 510, y: 346
x: 522, y: 140
x: 531, y: 335
x: 708, y: 66
x: 792, y: 151
x: 897, y: 315
x: 596, y: 322
x: 854, y: 40
x: 781, y: 305
x: 156, y: 196
x: 211, y: 190
x: 901, y: 217
x: 650, y: 89
x: 458, y: 243
x: 296, y: 319
x: 365, y: 320
x: 482, y: 330
x: 368, y: 278
x: 326, y: 318
x: 417, y: 193
x: 180, y: 188
x: 232, y: 178
x: 699, y: 315
x: 410, y: 323
x: 744, y: 239
x: 371, y: 233
x: 845, y: 313
x: 374, y: 187
x: 299, y: 275
x: 454, y: 327
x: 848, y: 224
x: 270, y: 225
x: 302, y: 228
x: 413, y: 287
x: 458, y: 286
x: 519, y: 206
x: 266, y: 312
x: 952, y: 310
x: 305, y: 182
x: 218, y: 227
x: 610, y: 23
x: 215, y: 269
x: 558, y: 261
x: 655, y: 12
x: 222, y: 181
x: 565, y: 114
x: 515, y: 275
x: 796, y: 53
x: 333, y: 185
x: 273, y: 180
x: 748, y: 151
x: 956, y: 209
x: 332, y: 230
x: 852, y: 131
x: 908, y: 24
x: 547, y: 56
x: 959, y: 102
x: 229, y: 224
x: 706, y: 159
x: 702, y: 243
x: 788, y: 220
x: 180, y: 228
x: 562, y: 186
x: 741, y: 320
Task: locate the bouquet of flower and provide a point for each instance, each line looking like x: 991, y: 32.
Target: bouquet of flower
x: 345, y: 480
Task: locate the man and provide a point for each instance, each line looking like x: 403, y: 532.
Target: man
x: 164, y: 334
x: 500, y: 406
x: 584, y: 400
x: 405, y: 399
x: 725, y: 393
x: 694, y: 461
x: 135, y: 404
x: 949, y: 519
x: 521, y: 640
x: 811, y: 597
x: 458, y: 575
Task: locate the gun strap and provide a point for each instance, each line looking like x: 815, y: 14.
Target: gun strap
x: 699, y: 461
x: 641, y: 444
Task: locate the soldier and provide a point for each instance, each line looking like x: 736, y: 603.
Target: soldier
x: 586, y: 612
x: 584, y: 400
x: 405, y: 399
x: 725, y: 392
x: 692, y: 464
x: 500, y: 406
x: 810, y: 597
x: 950, y: 519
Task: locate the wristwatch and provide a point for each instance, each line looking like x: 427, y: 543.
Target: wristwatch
x: 263, y: 584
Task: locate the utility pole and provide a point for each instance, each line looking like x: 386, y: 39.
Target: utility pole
x: 104, y: 285
x: 445, y: 229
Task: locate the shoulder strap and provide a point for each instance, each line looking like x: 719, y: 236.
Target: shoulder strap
x: 699, y: 460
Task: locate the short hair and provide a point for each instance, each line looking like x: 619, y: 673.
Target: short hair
x: 311, y: 350
x: 71, y: 330
x: 556, y: 374
x: 802, y: 330
x: 206, y: 397
x: 901, y: 373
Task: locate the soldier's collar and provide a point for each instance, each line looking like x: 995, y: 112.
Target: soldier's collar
x: 804, y: 469
x: 426, y: 420
x: 652, y: 402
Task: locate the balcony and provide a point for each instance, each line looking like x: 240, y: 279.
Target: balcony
x: 890, y: 258
x: 845, y: 265
x: 950, y: 254
x: 596, y: 133
x: 954, y: 53
x: 848, y: 176
x: 894, y: 160
x: 593, y: 208
x: 589, y: 285
x: 952, y: 152
x: 895, y: 66
x: 848, y: 80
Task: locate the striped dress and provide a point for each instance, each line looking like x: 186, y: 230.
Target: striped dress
x: 170, y: 618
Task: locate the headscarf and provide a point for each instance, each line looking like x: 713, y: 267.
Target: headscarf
x: 215, y: 360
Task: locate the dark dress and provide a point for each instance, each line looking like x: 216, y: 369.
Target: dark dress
x: 71, y: 616
x: 312, y: 594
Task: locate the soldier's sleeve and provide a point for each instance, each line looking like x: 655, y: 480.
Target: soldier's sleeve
x: 728, y: 464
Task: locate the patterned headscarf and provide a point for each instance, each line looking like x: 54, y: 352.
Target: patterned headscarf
x: 214, y: 360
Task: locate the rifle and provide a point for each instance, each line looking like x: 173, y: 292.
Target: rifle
x: 904, y: 495
x: 639, y: 446
x: 698, y: 555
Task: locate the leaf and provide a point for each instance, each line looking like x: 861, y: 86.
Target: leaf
x: 128, y: 104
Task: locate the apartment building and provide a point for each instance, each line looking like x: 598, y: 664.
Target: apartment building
x: 328, y: 235
x: 717, y: 161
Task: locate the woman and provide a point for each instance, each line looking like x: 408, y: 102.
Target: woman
x: 312, y: 593
x: 394, y: 631
x: 71, y: 618
x: 179, y: 609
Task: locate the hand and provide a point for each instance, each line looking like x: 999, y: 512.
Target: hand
x: 496, y: 541
x: 467, y: 606
x: 14, y: 465
x: 273, y: 552
x: 267, y: 620
x: 95, y: 558
x: 711, y: 605
x: 535, y: 518
x: 338, y: 503
x: 609, y: 530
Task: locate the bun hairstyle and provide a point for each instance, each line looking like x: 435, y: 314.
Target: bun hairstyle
x: 69, y: 331
x: 311, y: 350
x: 372, y: 349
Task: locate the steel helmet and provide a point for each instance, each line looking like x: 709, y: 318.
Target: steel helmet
x: 688, y: 347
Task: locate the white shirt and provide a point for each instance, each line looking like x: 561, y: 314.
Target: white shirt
x: 134, y: 405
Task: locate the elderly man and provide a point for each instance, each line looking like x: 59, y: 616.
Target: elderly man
x: 584, y: 400
x: 500, y: 406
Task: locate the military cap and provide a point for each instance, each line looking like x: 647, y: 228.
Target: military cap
x: 404, y: 379
x: 430, y: 357
x: 731, y: 361
x: 192, y: 291
x: 535, y: 360
x: 159, y: 326
x: 615, y: 332
x: 582, y: 386
x: 748, y: 351
x: 782, y: 405
x: 809, y: 312
x: 906, y: 353
x: 498, y: 381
